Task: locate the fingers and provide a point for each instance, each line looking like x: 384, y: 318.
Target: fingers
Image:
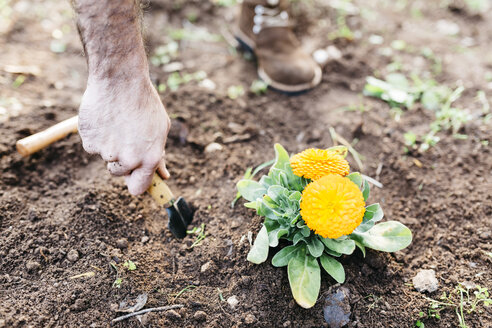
x: 139, y: 180
x: 118, y: 169
x: 162, y: 169
x: 89, y: 147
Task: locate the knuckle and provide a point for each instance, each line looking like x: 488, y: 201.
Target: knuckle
x: 89, y: 147
x: 128, y: 161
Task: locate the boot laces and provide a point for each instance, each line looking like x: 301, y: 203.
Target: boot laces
x: 269, y: 17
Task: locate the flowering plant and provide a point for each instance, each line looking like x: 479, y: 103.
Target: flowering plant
x: 312, y: 202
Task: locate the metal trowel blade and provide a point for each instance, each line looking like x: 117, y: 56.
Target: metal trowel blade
x: 180, y: 216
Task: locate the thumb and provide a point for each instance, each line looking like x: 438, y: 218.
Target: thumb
x: 139, y: 180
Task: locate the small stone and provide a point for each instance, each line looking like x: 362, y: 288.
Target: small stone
x: 212, y: 147
x: 79, y: 305
x: 250, y: 319
x: 425, y: 281
x: 485, y: 235
x: 145, y: 239
x: 200, y: 316
x: 286, y: 324
x: 447, y: 27
x: 73, y: 255
x: 2, y: 323
x: 113, y: 307
x: 323, y: 56
x: 173, y: 315
x: 207, y: 84
x: 336, y: 310
x: 206, y: 267
x: 122, y: 243
x: 235, y: 224
x: 32, y: 266
x: 245, y: 281
x: 173, y: 67
x: 232, y: 301
x: 32, y: 215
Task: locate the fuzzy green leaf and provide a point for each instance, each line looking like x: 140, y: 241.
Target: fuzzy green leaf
x: 345, y: 246
x: 297, y: 237
x: 253, y: 205
x: 305, y: 231
x: 315, y: 247
x: 374, y: 213
x: 356, y: 178
x: 269, y: 201
x: 388, y: 236
x: 361, y: 247
x: 275, y: 193
x: 283, y: 257
x: 304, y: 279
x: 366, y: 190
x: 251, y: 190
x: 281, y: 157
x: 295, y: 197
x: 332, y: 253
x: 274, y: 236
x: 259, y: 252
x: 333, y: 268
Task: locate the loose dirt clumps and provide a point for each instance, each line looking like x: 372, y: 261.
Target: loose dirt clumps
x: 67, y: 227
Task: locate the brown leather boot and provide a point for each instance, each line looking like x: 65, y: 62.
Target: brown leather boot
x: 264, y: 29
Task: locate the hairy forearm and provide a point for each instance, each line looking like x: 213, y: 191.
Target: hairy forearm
x: 111, y: 35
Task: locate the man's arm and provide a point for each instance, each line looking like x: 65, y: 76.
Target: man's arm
x: 121, y: 116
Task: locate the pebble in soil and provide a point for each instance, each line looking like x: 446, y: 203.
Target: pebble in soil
x: 425, y: 281
x: 336, y: 310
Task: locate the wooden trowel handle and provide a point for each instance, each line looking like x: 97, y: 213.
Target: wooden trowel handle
x: 40, y: 140
x: 160, y: 191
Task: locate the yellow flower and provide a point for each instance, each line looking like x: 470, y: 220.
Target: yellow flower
x: 316, y: 163
x: 332, y: 206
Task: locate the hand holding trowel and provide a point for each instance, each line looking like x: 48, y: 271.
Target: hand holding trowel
x: 179, y: 212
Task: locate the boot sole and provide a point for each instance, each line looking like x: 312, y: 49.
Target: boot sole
x: 246, y: 44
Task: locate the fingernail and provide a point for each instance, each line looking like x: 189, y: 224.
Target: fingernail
x: 166, y: 173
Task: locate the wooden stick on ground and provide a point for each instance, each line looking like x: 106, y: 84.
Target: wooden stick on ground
x: 38, y: 141
x: 162, y: 308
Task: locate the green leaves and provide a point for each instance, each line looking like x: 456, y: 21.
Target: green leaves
x: 363, y: 185
x: 283, y: 257
x: 394, y: 91
x: 277, y: 196
x: 388, y: 236
x: 281, y: 157
x: 304, y: 278
x: 130, y: 265
x: 274, y: 236
x: 373, y: 214
x: 251, y: 190
x: 315, y: 247
x: 346, y: 246
x: 259, y: 252
x: 333, y: 268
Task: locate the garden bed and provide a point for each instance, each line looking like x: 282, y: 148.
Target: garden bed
x: 61, y: 200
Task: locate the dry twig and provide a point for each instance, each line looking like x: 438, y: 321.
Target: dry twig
x: 162, y: 308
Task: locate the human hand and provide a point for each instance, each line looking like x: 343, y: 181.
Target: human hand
x: 124, y: 121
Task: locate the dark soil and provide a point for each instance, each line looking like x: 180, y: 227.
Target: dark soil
x: 62, y: 199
